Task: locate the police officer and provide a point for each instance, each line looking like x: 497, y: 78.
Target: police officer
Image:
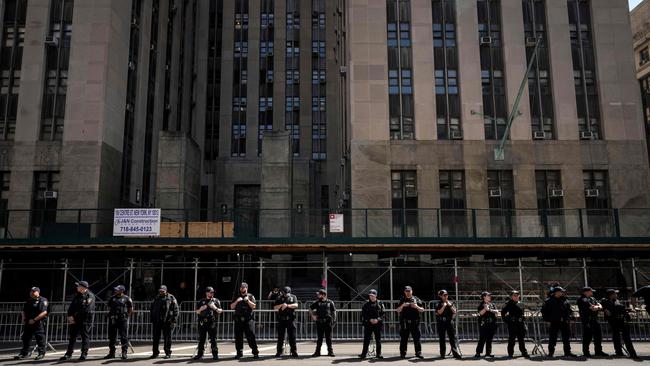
x: 207, y: 309
x: 487, y: 321
x: 120, y: 307
x: 33, y: 316
x: 372, y: 316
x: 164, y: 313
x: 323, y: 312
x: 80, y: 318
x: 274, y: 294
x: 286, y: 305
x: 243, y: 305
x: 445, y: 312
x: 618, y: 317
x: 513, y: 315
x: 409, y: 310
x: 588, y: 307
x: 557, y: 312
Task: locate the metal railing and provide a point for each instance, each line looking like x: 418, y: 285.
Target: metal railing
x: 348, y: 326
x: 433, y: 223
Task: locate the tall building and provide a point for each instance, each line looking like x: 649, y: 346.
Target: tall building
x: 640, y: 19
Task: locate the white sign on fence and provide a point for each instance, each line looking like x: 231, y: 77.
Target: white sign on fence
x: 336, y: 223
x: 136, y: 222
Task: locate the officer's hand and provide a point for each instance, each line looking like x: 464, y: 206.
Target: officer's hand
x: 213, y: 307
x: 374, y: 321
x: 31, y: 321
x: 203, y: 307
x: 70, y: 320
x: 314, y: 317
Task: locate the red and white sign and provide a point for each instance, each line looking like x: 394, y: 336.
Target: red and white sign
x: 336, y: 223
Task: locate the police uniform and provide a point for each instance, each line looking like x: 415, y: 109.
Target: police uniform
x: 34, y: 307
x: 590, y: 326
x: 557, y: 312
x: 409, y: 321
x: 445, y: 325
x: 325, y: 312
x: 617, y: 316
x: 513, y: 315
x: 244, y: 325
x: 164, y: 313
x: 286, y: 322
x: 372, y: 310
x: 119, y: 309
x: 82, y: 310
x: 208, y: 325
x: 487, y: 327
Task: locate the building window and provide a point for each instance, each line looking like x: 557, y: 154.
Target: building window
x: 400, y: 71
x: 453, y: 215
x: 599, y: 219
x: 645, y: 99
x: 213, y: 99
x: 5, y: 179
x: 171, y: 9
x: 11, y: 59
x: 44, y: 205
x: 292, y: 82
x: 318, y: 81
x: 584, y: 69
x: 550, y: 202
x: 539, y: 79
x: 265, y: 120
x: 240, y: 80
x: 404, y: 193
x: 445, y: 57
x: 644, y: 56
x: 56, y: 69
x: 492, y: 69
x: 501, y: 197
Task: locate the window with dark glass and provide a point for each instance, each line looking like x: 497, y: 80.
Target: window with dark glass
x: 492, y: 68
x: 246, y: 213
x: 11, y: 59
x: 318, y: 81
x: 599, y: 220
x: 584, y: 69
x: 213, y: 99
x: 404, y: 193
x: 171, y: 18
x: 44, y: 205
x: 240, y: 80
x: 453, y: 215
x: 57, y: 59
x: 445, y: 58
x: 539, y: 78
x: 5, y: 179
x: 400, y: 71
x: 267, y: 24
x: 644, y: 56
x: 501, y: 197
x: 645, y: 99
x: 292, y: 67
x: 549, y: 190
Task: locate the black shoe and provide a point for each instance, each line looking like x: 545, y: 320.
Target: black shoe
x: 511, y: 356
x: 362, y: 356
x: 83, y: 357
x: 635, y: 357
x: 489, y: 356
x: 239, y: 355
x: 330, y: 353
x: 40, y: 356
x: 570, y: 355
x: 167, y: 356
x: 458, y: 356
x: 620, y: 354
x: 124, y: 355
x: 525, y: 355
x: 198, y: 356
x: 154, y: 355
x: 419, y: 355
x: 215, y: 356
x: 294, y: 354
x: 442, y: 357
x: 586, y: 354
x: 402, y: 355
x: 65, y: 357
x: 20, y: 356
x: 256, y: 355
x: 379, y: 356
x: 602, y: 354
x: 478, y: 355
x: 278, y: 355
x: 109, y: 356
x: 551, y: 354
x: 316, y: 354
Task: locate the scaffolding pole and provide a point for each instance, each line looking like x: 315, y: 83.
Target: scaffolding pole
x: 584, y: 271
x: 633, y: 274
x: 521, y: 279
x: 196, y: 278
x: 131, y: 277
x: 162, y: 271
x: 65, y: 278
x: 390, y: 267
x: 456, y: 280
x: 261, y: 272
x: 2, y: 267
x: 325, y: 270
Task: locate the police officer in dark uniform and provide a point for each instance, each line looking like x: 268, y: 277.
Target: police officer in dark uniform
x: 618, y: 317
x: 80, y: 318
x: 120, y: 308
x: 323, y: 312
x: 513, y: 315
x: 243, y: 305
x: 33, y: 316
x: 164, y: 314
x: 557, y: 312
x: 207, y: 309
x: 588, y: 307
x: 274, y: 294
x: 372, y: 316
x: 409, y: 310
x: 286, y: 305
x: 445, y: 312
x: 487, y: 321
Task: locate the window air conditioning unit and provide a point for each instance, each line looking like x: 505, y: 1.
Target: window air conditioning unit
x: 553, y: 193
x: 499, y: 261
x: 411, y: 193
x: 456, y: 135
x: 586, y: 135
x: 531, y: 41
x: 494, y: 192
x: 592, y: 192
x: 51, y: 41
x: 539, y: 135
x: 343, y: 70
x: 50, y: 195
x: 486, y: 40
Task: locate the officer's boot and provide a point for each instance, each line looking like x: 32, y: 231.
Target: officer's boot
x: 66, y: 357
x: 198, y: 356
x: 124, y: 355
x: 40, y: 356
x: 319, y: 344
x: 84, y: 356
x: 215, y: 353
x: 20, y: 356
x: 111, y: 354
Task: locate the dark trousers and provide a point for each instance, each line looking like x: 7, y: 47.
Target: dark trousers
x: 36, y: 330
x: 516, y: 332
x: 245, y: 328
x: 79, y: 328
x: 591, y: 331
x: 207, y: 328
x: 486, y: 334
x: 622, y: 328
x: 116, y: 326
x: 324, y: 330
x: 407, y: 329
x: 288, y: 326
x: 447, y: 329
x: 166, y: 329
x: 368, y: 331
x: 554, y: 328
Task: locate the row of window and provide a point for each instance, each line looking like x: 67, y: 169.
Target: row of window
x: 493, y: 77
